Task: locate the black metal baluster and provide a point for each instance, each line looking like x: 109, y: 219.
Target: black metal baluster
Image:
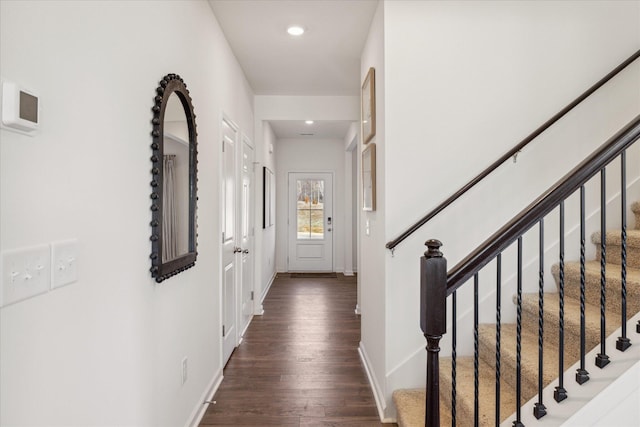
x: 539, y: 410
x: 498, y: 321
x: 560, y: 392
x: 476, y: 372
x: 454, y: 316
x: 623, y: 342
x: 518, y: 421
x: 602, y: 359
x: 582, y: 376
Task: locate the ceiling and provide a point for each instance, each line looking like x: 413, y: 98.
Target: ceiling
x: 324, y: 61
x: 317, y: 130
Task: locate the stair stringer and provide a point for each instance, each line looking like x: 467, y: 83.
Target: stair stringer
x: 409, y: 374
x: 386, y: 412
x: 596, y: 395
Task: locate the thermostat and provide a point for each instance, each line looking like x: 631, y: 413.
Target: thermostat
x: 20, y: 109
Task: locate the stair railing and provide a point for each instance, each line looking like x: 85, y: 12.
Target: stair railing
x: 391, y: 245
x: 437, y: 284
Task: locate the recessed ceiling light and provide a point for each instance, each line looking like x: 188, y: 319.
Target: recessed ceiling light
x: 295, y: 30
x: 309, y: 122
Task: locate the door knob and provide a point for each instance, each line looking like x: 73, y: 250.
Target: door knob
x: 236, y: 249
x: 245, y: 251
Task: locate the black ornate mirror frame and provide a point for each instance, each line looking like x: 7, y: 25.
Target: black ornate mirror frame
x: 171, y: 83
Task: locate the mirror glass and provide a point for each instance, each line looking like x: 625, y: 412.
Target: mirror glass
x: 174, y: 182
x: 175, y: 214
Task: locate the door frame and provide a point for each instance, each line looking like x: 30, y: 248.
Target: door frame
x: 244, y: 139
x: 333, y: 201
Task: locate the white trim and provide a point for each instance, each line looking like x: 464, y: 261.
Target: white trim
x: 378, y: 395
x: 357, y: 310
x: 266, y: 290
x: 420, y: 351
x: 577, y: 407
x: 348, y: 208
x: 251, y: 238
x: 198, y: 412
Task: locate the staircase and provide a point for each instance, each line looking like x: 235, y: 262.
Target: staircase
x: 410, y: 404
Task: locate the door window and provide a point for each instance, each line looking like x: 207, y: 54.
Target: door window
x: 310, y: 209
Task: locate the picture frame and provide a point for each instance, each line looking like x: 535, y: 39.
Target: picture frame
x: 369, y: 106
x: 369, y: 178
x: 268, y: 197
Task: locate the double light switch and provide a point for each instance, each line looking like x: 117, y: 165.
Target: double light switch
x: 32, y: 271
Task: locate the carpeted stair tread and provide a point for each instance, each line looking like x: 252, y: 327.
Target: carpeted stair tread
x: 635, y: 208
x: 410, y: 405
x: 592, y: 284
x: 613, y: 247
x: 465, y: 391
x: 529, y: 356
x: 614, y: 237
x: 571, y: 321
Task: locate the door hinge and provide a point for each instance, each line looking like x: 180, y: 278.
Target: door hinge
x: 223, y: 330
x: 223, y: 145
x: 223, y: 237
x: 251, y: 295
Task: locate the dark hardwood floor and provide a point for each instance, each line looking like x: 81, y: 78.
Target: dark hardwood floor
x: 298, y: 364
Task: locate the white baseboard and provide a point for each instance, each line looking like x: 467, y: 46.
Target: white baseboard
x: 266, y: 290
x: 357, y: 310
x: 378, y: 394
x: 258, y: 308
x: 202, y: 405
x: 348, y: 273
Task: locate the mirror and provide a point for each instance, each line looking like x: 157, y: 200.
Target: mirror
x: 173, y: 208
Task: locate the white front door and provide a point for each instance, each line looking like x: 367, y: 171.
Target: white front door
x: 246, y: 235
x: 229, y: 240
x: 311, y: 221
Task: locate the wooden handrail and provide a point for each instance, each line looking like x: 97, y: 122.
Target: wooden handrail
x: 548, y: 201
x: 393, y: 243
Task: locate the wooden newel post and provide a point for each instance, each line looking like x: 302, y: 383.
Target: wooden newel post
x: 433, y: 321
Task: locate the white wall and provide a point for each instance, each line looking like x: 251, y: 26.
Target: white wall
x: 371, y: 267
x: 464, y: 82
x: 310, y: 155
x: 107, y: 350
x: 268, y: 235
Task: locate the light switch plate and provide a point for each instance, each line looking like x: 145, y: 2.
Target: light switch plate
x: 64, y: 260
x: 25, y: 273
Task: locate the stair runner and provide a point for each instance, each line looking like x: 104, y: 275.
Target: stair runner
x: 410, y: 404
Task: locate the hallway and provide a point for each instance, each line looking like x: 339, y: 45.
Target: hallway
x: 298, y: 364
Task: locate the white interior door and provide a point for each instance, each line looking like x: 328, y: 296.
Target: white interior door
x: 246, y: 234
x: 311, y: 221
x: 229, y: 240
